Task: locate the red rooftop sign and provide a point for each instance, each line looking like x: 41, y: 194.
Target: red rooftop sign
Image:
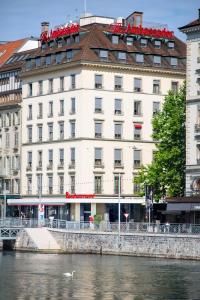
x: 72, y: 196
x: 156, y: 33
x: 59, y: 32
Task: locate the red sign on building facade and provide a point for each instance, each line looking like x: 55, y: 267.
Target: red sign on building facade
x: 53, y: 34
x: 139, y: 30
x: 72, y: 196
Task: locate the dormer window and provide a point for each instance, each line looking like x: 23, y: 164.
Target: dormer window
x: 44, y: 46
x: 76, y: 39
x: 157, y: 44
x: 28, y: 64
x: 103, y: 54
x: 51, y: 44
x: 143, y: 42
x: 139, y: 58
x: 58, y: 58
x: 121, y: 56
x: 60, y: 43
x: 115, y: 39
x: 68, y: 40
x: 174, y: 62
x: 69, y: 55
x: 129, y: 41
x: 170, y: 45
x: 157, y: 60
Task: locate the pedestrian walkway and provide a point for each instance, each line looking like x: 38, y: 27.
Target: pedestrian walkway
x: 42, y: 239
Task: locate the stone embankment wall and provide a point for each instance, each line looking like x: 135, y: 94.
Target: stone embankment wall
x: 151, y: 245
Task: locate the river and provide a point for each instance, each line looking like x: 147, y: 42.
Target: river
x: 30, y: 276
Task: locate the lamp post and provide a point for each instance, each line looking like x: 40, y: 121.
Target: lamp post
x: 119, y: 196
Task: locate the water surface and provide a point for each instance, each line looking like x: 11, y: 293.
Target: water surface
x: 40, y: 276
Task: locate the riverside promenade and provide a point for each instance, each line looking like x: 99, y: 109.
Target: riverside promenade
x: 180, y: 241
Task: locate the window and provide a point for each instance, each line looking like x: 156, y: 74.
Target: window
x: 61, y: 130
x: 30, y: 89
x: 129, y: 41
x: 50, y: 85
x: 17, y: 119
x: 69, y: 55
x: 77, y: 39
x: 29, y: 128
x: 48, y: 60
x: 29, y: 159
x: 137, y: 108
x: 29, y: 185
x: 115, y: 39
x: 50, y: 157
x: 73, y: 81
x: 171, y: 45
x: 98, y: 105
x: 72, y: 129
x: 16, y: 143
x: 118, y: 131
x: 40, y: 110
x: 117, y: 186
x: 73, y: 106
x: 121, y: 56
x: 139, y: 58
x: 98, y: 81
x: 174, y: 86
x: 50, y: 109
x: 50, y: 184
x: 7, y: 140
x: 156, y: 86
x: 137, y: 84
x: 98, y: 156
x: 157, y: 44
x: 118, y: 83
x: 37, y: 62
x: 157, y: 60
x: 68, y: 40
x: 39, y: 132
x: 118, y: 106
x: 137, y: 131
x: 39, y: 184
x: 59, y: 57
x: 136, y: 188
x: 174, y: 62
x: 137, y: 158
x: 30, y: 112
x: 72, y: 157
x: 50, y: 129
x: 61, y: 84
x: 156, y: 108
x: 40, y: 159
x: 103, y: 54
x: 61, y: 184
x: 40, y: 87
x: 98, y: 129
x: 98, y: 184
x: 61, y: 157
x: 61, y: 108
x: 117, y: 157
x: 72, y: 184
x: 143, y: 42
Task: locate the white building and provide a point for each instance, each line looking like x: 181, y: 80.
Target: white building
x: 88, y: 102
x: 192, y: 30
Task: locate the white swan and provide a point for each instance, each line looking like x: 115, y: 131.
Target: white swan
x: 69, y: 274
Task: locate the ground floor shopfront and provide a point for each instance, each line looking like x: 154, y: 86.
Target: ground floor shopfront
x: 78, y: 209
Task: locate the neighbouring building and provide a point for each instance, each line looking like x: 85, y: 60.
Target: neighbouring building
x: 89, y: 94
x: 10, y: 117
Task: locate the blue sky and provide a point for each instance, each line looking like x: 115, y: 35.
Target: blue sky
x: 22, y: 18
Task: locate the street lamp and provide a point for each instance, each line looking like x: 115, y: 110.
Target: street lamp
x: 119, y: 196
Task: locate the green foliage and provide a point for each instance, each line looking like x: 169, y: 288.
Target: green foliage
x: 97, y: 219
x: 166, y: 174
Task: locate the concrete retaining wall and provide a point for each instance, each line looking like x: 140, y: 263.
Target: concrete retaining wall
x: 151, y: 245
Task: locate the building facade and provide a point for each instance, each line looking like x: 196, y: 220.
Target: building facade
x: 10, y: 121
x: 89, y: 96
x: 192, y: 30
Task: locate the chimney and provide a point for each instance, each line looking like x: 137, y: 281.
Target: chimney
x: 137, y: 18
x: 44, y: 26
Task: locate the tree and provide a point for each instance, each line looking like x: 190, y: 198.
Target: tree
x: 166, y: 173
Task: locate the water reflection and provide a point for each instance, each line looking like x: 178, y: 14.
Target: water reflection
x: 40, y: 276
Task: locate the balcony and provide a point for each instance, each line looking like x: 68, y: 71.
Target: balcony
x: 50, y: 166
x: 61, y: 166
x: 29, y: 168
x: 197, y: 127
x: 72, y: 165
x: 5, y: 173
x: 98, y: 163
x: 198, y: 60
x: 118, y: 164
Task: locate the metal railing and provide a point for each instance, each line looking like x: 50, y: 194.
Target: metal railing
x: 128, y: 227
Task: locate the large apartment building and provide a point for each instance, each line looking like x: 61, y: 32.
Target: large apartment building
x: 89, y: 94
x: 192, y: 30
x: 12, y: 59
